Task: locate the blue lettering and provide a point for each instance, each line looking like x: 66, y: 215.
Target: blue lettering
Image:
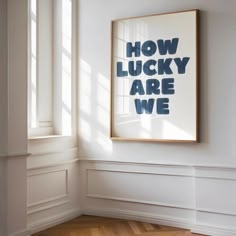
x: 152, y: 86
x: 137, y: 87
x: 146, y: 67
x: 144, y: 106
x: 133, y: 49
x: 135, y: 71
x: 168, y: 86
x: 149, y: 48
x: 169, y: 46
x: 163, y: 106
x: 181, y: 64
x: 120, y: 72
x: 164, y: 66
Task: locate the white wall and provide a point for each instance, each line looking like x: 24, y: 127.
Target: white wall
x: 13, y: 145
x: 2, y: 196
x: 13, y: 142
x: 3, y: 113
x: 17, y: 77
x: 196, y: 181
x: 14, y: 112
x: 3, y: 76
x: 217, y: 111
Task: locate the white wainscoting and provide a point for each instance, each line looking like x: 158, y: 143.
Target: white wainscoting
x: 146, y: 188
x: 52, y: 189
x: 195, y: 197
x: 216, y: 200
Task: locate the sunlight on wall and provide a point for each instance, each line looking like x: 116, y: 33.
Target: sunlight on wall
x: 66, y: 66
x: 33, y: 66
x: 103, y: 114
x: 104, y: 142
x: 85, y: 83
x: 102, y: 101
x: 85, y: 101
x: 85, y: 130
x: 94, y: 117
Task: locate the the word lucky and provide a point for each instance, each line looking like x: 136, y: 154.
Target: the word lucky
x: 151, y: 67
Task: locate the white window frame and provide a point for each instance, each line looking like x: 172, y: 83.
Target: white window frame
x: 55, y: 106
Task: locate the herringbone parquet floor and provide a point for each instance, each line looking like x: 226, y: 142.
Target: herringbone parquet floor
x: 102, y: 226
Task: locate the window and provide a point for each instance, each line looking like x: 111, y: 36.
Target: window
x: 50, y: 68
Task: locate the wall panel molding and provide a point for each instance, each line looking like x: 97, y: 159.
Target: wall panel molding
x: 165, y: 170
x: 50, y: 159
x: 206, y: 210
x: 133, y: 200
x: 39, y: 180
x: 205, y: 167
x: 14, y: 154
x: 51, y: 221
x: 137, y: 201
x: 52, y: 194
x: 120, y: 162
x: 48, y: 200
x: 72, y: 151
x: 105, y: 187
x: 53, y: 165
x: 207, y: 172
x: 212, y: 194
x: 39, y: 208
x: 210, y: 172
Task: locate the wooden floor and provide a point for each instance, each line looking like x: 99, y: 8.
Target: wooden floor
x: 101, y: 226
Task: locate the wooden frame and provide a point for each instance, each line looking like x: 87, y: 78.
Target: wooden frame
x: 154, y: 78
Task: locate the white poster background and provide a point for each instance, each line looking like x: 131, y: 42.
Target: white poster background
x: 180, y: 123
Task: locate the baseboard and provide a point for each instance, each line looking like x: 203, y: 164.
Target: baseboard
x: 139, y: 216
x: 129, y: 215
x: 52, y: 221
x: 213, y: 231
x: 162, y: 220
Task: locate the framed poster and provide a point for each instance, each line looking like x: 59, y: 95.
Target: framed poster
x: 154, y: 78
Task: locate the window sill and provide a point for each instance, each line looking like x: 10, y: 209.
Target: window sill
x: 47, y: 137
